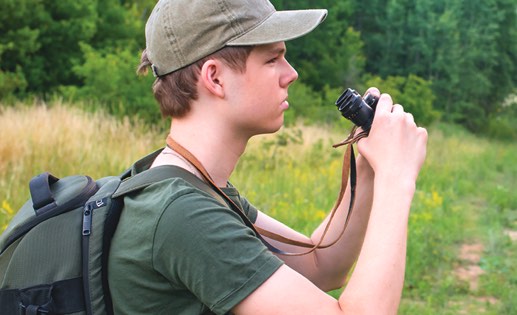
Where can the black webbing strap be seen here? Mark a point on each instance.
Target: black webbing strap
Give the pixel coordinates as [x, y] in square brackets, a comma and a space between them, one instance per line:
[62, 297]
[42, 198]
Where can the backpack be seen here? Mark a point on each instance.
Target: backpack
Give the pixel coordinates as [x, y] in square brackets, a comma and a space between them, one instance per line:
[54, 252]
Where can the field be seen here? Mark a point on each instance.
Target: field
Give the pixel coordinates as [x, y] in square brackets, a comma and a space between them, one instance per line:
[463, 225]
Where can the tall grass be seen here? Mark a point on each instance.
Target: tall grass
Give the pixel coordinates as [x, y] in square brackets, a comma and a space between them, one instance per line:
[465, 191]
[63, 141]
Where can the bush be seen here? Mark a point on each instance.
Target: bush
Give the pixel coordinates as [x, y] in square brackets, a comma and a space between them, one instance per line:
[412, 92]
[312, 107]
[303, 103]
[10, 83]
[110, 79]
[503, 124]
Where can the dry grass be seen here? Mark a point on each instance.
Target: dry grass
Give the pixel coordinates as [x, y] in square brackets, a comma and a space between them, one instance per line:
[64, 141]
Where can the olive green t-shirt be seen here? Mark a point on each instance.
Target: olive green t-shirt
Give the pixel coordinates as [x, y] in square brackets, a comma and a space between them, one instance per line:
[178, 251]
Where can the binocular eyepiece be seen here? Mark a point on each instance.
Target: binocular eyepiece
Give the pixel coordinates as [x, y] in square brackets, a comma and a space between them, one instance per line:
[356, 109]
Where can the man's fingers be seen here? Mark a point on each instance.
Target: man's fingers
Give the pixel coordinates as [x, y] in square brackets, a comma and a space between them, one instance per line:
[397, 108]
[385, 103]
[373, 91]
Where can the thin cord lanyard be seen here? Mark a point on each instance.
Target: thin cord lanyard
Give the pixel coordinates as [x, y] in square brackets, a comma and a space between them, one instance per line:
[349, 168]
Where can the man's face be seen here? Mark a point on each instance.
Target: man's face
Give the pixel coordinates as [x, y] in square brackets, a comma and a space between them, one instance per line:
[258, 97]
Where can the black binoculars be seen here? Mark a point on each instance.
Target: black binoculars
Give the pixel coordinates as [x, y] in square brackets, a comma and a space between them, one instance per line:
[356, 109]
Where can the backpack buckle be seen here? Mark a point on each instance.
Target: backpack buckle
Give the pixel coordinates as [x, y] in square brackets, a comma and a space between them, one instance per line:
[32, 309]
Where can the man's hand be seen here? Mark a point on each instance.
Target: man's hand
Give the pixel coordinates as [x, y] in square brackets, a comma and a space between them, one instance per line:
[396, 146]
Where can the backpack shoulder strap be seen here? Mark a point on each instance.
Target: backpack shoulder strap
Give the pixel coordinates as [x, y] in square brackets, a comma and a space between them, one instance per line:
[163, 172]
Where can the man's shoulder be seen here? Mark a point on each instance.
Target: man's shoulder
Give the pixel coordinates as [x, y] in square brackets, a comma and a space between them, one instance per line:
[149, 204]
[169, 189]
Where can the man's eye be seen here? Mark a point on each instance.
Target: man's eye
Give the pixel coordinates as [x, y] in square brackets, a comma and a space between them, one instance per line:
[273, 60]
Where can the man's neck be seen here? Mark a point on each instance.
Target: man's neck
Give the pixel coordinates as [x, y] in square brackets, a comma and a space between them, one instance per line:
[216, 148]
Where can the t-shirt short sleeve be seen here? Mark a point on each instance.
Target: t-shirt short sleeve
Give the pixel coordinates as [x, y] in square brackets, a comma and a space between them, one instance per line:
[205, 248]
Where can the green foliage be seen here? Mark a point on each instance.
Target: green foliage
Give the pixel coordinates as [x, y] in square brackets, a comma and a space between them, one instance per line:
[412, 92]
[310, 106]
[332, 54]
[62, 25]
[118, 26]
[19, 41]
[303, 102]
[468, 49]
[42, 40]
[11, 82]
[110, 79]
[502, 124]
[69, 23]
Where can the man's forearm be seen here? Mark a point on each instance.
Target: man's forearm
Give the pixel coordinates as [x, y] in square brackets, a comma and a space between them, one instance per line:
[336, 261]
[379, 274]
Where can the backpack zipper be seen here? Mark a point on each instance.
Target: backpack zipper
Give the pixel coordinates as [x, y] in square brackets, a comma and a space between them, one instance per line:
[87, 231]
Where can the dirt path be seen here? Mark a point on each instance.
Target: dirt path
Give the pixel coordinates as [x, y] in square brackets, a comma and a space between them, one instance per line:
[469, 271]
[511, 234]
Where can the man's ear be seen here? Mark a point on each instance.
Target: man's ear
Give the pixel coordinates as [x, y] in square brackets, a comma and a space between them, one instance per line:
[210, 77]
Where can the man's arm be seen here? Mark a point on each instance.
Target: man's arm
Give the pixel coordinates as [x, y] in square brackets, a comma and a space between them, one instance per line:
[395, 149]
[327, 268]
[376, 283]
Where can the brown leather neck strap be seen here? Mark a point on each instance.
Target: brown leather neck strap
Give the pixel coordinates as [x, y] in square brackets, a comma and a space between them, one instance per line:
[348, 164]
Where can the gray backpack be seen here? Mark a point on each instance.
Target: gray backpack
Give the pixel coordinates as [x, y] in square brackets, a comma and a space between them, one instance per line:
[53, 254]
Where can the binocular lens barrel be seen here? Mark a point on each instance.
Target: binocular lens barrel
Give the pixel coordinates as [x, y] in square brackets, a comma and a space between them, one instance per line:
[356, 109]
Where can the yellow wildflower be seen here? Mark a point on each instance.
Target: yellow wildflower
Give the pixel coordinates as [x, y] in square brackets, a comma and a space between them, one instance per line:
[7, 208]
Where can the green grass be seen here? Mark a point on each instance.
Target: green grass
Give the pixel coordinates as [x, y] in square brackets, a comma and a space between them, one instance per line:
[465, 193]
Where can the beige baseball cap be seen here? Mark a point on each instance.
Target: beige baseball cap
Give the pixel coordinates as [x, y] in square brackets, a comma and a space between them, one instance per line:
[181, 32]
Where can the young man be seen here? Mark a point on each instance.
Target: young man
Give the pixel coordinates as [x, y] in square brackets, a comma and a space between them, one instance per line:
[222, 76]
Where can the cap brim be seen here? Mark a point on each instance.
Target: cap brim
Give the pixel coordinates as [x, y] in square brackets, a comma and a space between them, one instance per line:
[281, 26]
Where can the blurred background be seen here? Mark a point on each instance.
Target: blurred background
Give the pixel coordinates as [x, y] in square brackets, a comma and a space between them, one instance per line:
[70, 102]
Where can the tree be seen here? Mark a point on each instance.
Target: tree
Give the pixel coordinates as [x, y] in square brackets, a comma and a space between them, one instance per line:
[478, 53]
[467, 48]
[19, 40]
[40, 43]
[120, 24]
[331, 54]
[63, 26]
[413, 92]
